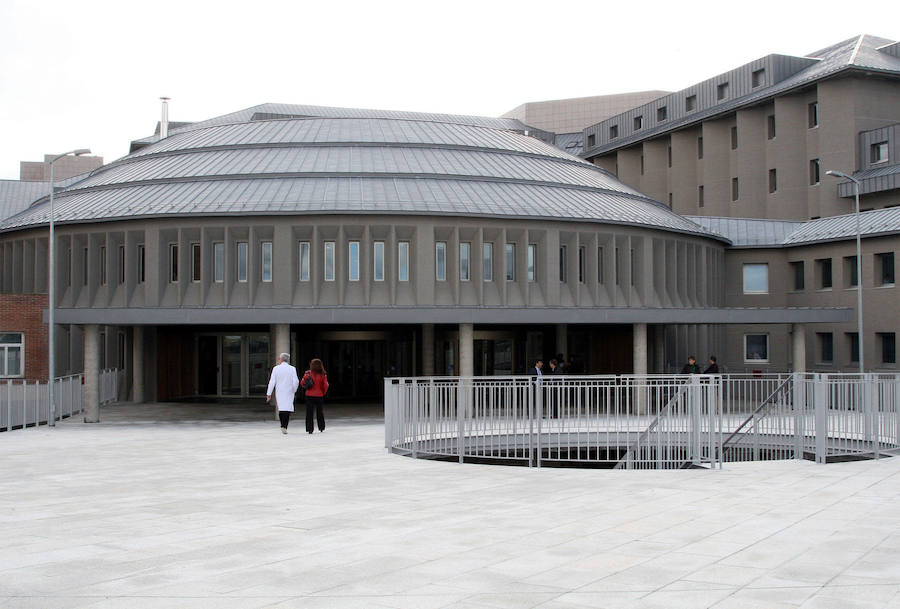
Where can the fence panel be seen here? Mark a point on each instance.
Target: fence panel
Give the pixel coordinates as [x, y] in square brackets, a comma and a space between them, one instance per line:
[25, 404]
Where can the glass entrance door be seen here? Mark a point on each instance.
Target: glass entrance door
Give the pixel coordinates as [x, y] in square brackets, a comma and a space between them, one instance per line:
[231, 365]
[258, 365]
[235, 365]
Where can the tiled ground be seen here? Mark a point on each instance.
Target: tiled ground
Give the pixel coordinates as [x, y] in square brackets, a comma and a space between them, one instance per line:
[210, 506]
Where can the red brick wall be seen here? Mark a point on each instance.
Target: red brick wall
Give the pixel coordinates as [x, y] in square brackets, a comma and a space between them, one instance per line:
[23, 313]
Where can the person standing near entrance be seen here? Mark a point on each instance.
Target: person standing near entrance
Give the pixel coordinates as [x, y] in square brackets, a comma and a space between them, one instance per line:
[315, 382]
[284, 384]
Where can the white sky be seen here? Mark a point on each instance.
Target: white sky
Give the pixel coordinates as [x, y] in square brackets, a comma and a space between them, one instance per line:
[85, 73]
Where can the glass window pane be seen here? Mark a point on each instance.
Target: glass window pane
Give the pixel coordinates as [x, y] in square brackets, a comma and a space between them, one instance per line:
[13, 361]
[329, 261]
[195, 262]
[304, 261]
[173, 263]
[532, 251]
[378, 266]
[353, 261]
[464, 261]
[219, 261]
[510, 261]
[267, 261]
[403, 261]
[440, 261]
[10, 338]
[563, 263]
[487, 261]
[242, 261]
[756, 347]
[756, 278]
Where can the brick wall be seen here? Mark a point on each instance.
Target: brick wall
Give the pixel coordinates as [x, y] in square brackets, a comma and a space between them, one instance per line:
[22, 313]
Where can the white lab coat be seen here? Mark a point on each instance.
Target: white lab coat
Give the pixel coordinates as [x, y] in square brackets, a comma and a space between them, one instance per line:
[284, 383]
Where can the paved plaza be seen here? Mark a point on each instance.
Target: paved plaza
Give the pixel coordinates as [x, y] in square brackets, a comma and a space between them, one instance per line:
[190, 506]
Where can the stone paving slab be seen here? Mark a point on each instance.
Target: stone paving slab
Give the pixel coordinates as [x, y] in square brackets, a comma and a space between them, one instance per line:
[209, 505]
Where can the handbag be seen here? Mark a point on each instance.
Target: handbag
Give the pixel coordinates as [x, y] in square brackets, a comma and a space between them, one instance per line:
[308, 382]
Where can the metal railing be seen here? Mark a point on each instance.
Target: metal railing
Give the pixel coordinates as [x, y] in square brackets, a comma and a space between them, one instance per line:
[111, 380]
[25, 404]
[659, 422]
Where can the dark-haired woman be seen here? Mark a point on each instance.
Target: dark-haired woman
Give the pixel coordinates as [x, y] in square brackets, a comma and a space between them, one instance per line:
[315, 381]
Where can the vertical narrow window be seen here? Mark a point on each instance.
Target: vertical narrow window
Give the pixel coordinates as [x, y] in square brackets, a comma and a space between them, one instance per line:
[487, 261]
[770, 126]
[304, 262]
[773, 180]
[631, 260]
[799, 276]
[734, 138]
[616, 269]
[353, 260]
[669, 152]
[440, 261]
[813, 172]
[853, 339]
[266, 256]
[195, 262]
[403, 261]
[329, 261]
[670, 199]
[464, 261]
[824, 265]
[581, 252]
[173, 263]
[700, 199]
[850, 271]
[700, 147]
[120, 350]
[69, 266]
[885, 270]
[563, 263]
[532, 261]
[812, 112]
[84, 266]
[888, 347]
[638, 123]
[141, 263]
[642, 164]
[378, 261]
[600, 265]
[242, 261]
[735, 189]
[826, 347]
[219, 262]
[510, 261]
[121, 264]
[102, 265]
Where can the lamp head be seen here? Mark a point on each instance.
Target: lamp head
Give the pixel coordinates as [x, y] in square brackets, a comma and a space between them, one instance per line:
[81, 151]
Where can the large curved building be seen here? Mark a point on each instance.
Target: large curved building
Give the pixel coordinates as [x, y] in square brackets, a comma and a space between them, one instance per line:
[383, 242]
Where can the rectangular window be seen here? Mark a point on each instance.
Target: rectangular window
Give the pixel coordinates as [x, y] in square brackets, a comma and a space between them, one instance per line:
[329, 261]
[103, 351]
[798, 272]
[440, 261]
[770, 126]
[735, 189]
[631, 262]
[690, 103]
[173, 263]
[304, 262]
[195, 262]
[378, 261]
[12, 354]
[756, 279]
[563, 263]
[84, 266]
[102, 265]
[266, 251]
[141, 260]
[850, 272]
[487, 261]
[510, 261]
[219, 262]
[638, 122]
[465, 250]
[722, 91]
[700, 147]
[353, 260]
[734, 138]
[756, 348]
[642, 164]
[824, 267]
[532, 261]
[403, 261]
[591, 140]
[758, 77]
[581, 264]
[888, 347]
[661, 113]
[812, 115]
[600, 265]
[773, 181]
[853, 344]
[121, 264]
[813, 172]
[243, 261]
[669, 153]
[613, 132]
[68, 266]
[670, 199]
[826, 347]
[120, 350]
[700, 201]
[879, 152]
[616, 271]
[885, 270]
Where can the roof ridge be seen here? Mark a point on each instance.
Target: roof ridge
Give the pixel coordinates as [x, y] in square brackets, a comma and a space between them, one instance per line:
[856, 48]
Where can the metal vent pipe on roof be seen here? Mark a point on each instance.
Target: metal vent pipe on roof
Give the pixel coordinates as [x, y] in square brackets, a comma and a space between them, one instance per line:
[164, 121]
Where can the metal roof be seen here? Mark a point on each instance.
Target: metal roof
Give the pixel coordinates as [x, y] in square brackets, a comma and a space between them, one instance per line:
[16, 195]
[572, 143]
[878, 179]
[748, 232]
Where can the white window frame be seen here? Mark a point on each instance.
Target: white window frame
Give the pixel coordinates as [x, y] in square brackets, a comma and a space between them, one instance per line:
[465, 261]
[487, 260]
[243, 271]
[329, 260]
[378, 261]
[353, 260]
[173, 263]
[265, 270]
[141, 263]
[531, 263]
[219, 262]
[748, 360]
[4, 357]
[121, 269]
[303, 261]
[403, 261]
[509, 255]
[196, 259]
[103, 265]
[440, 261]
[745, 267]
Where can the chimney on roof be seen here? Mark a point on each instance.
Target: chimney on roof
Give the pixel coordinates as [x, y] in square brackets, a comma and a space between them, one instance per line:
[164, 122]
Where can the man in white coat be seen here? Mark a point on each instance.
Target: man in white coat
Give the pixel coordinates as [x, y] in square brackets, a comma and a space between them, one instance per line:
[284, 382]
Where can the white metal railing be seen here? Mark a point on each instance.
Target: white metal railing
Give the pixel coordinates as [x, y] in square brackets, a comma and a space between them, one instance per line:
[660, 422]
[26, 404]
[111, 379]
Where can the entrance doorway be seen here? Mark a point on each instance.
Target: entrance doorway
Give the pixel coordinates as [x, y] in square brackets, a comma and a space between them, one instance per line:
[233, 365]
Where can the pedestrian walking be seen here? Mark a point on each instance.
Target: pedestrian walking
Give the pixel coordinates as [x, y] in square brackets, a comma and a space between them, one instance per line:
[713, 367]
[536, 371]
[283, 385]
[315, 382]
[691, 366]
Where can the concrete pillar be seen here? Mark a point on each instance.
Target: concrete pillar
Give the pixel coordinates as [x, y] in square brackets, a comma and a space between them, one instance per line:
[466, 350]
[91, 373]
[282, 334]
[137, 363]
[562, 340]
[798, 346]
[639, 348]
[428, 349]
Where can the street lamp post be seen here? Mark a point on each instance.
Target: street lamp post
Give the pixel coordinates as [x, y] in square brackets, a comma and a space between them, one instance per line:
[859, 278]
[51, 281]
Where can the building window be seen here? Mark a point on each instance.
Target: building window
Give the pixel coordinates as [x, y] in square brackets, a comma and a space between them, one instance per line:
[770, 123]
[353, 260]
[879, 152]
[734, 139]
[487, 261]
[850, 271]
[173, 262]
[700, 201]
[758, 77]
[103, 351]
[120, 351]
[266, 262]
[642, 164]
[121, 264]
[735, 189]
[690, 103]
[616, 273]
[141, 260]
[613, 132]
[669, 152]
[813, 172]
[403, 261]
[700, 147]
[563, 263]
[600, 265]
[329, 261]
[885, 270]
[440, 261]
[592, 140]
[826, 347]
[632, 259]
[797, 270]
[812, 115]
[638, 122]
[581, 264]
[102, 265]
[756, 348]
[722, 91]
[378, 261]
[853, 343]
[532, 262]
[243, 261]
[756, 279]
[670, 199]
[773, 181]
[304, 262]
[888, 347]
[84, 266]
[12, 354]
[661, 113]
[464, 261]
[195, 262]
[68, 266]
[824, 267]
[510, 261]
[218, 262]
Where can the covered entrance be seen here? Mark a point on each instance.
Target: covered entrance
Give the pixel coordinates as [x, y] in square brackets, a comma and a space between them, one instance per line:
[233, 364]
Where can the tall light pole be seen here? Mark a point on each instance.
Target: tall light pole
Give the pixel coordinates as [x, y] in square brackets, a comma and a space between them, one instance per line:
[859, 278]
[51, 281]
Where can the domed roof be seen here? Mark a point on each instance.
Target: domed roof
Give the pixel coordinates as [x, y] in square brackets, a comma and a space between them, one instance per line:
[393, 163]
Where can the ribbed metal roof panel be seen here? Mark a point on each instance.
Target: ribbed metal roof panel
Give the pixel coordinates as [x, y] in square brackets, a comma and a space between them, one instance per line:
[749, 232]
[875, 222]
[16, 196]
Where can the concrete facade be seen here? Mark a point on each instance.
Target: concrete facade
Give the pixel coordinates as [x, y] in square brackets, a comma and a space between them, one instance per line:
[574, 114]
[66, 167]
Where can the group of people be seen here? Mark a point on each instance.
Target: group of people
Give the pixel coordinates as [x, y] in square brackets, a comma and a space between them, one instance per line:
[557, 365]
[692, 367]
[283, 385]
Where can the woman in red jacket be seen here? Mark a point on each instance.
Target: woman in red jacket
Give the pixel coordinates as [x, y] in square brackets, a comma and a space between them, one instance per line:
[315, 381]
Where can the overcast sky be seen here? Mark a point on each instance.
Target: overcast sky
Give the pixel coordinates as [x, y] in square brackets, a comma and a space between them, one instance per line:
[89, 73]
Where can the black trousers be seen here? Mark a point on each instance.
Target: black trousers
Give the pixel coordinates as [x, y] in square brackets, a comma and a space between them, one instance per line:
[314, 403]
[285, 417]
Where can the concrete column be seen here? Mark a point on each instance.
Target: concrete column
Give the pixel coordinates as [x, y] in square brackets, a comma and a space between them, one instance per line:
[562, 339]
[282, 334]
[639, 349]
[91, 373]
[137, 363]
[466, 350]
[798, 346]
[428, 349]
